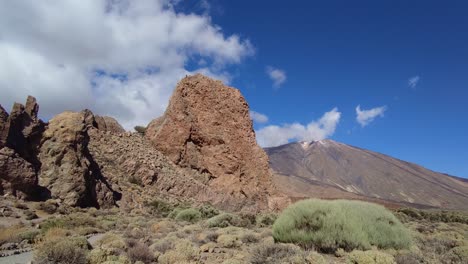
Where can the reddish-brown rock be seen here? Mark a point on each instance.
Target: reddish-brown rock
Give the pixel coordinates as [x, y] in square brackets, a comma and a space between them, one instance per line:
[207, 127]
[107, 123]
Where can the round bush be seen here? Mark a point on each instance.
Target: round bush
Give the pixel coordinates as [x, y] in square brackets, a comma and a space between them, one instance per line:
[329, 225]
[190, 215]
[224, 220]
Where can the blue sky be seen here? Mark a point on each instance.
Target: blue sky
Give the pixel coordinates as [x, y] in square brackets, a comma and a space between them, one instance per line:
[124, 58]
[348, 53]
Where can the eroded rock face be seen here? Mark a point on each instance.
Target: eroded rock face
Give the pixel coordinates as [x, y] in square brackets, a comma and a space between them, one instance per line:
[20, 134]
[17, 176]
[207, 127]
[107, 123]
[68, 170]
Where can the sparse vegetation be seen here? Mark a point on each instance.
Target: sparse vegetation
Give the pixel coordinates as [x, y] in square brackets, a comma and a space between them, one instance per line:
[160, 207]
[370, 257]
[273, 253]
[139, 252]
[434, 215]
[68, 250]
[189, 215]
[224, 220]
[329, 225]
[191, 236]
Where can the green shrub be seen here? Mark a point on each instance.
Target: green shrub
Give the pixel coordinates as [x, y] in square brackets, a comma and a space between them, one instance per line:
[160, 207]
[224, 220]
[208, 211]
[266, 220]
[370, 257]
[229, 241]
[64, 250]
[175, 212]
[72, 222]
[189, 215]
[329, 225]
[183, 252]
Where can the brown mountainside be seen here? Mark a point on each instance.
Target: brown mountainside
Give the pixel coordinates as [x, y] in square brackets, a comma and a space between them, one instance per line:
[328, 169]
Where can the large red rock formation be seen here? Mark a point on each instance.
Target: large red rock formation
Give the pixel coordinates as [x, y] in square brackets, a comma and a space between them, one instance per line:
[207, 127]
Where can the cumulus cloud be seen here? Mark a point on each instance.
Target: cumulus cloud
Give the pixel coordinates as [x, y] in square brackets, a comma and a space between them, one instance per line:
[364, 117]
[413, 81]
[120, 58]
[276, 75]
[271, 136]
[258, 117]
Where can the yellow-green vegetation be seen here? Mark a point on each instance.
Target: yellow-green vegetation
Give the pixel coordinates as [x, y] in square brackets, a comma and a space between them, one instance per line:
[265, 220]
[191, 215]
[184, 252]
[224, 220]
[370, 257]
[329, 225]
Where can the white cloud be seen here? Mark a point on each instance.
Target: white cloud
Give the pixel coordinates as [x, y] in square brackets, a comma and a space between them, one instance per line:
[413, 81]
[364, 117]
[271, 136]
[258, 117]
[120, 58]
[276, 75]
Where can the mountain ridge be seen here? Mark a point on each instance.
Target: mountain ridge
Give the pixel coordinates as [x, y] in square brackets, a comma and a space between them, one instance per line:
[328, 166]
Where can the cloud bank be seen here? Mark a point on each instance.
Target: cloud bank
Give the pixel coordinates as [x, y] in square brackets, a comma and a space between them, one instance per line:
[271, 136]
[119, 58]
[365, 117]
[277, 76]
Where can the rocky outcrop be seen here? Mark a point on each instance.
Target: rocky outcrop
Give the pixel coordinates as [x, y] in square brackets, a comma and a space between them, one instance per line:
[17, 176]
[68, 170]
[107, 123]
[20, 134]
[207, 127]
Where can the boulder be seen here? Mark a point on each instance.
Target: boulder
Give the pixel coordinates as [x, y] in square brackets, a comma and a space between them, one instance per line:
[207, 127]
[107, 123]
